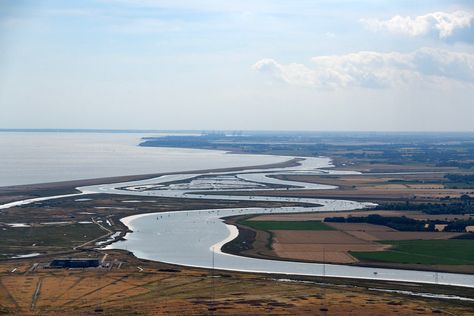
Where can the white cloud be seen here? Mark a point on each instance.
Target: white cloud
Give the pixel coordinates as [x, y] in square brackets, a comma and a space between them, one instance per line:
[374, 69]
[443, 24]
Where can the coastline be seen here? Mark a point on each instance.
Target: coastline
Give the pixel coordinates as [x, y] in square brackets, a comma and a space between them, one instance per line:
[233, 232]
[127, 220]
[15, 193]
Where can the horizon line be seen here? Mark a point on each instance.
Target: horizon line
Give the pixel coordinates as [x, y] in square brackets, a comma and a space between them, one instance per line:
[210, 131]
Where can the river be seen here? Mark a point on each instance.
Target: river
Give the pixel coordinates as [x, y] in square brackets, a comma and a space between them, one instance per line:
[195, 238]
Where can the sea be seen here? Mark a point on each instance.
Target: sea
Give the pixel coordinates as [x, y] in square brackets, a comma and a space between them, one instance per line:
[41, 157]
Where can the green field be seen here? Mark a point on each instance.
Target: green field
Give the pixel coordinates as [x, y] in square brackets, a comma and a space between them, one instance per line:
[448, 252]
[18, 240]
[286, 225]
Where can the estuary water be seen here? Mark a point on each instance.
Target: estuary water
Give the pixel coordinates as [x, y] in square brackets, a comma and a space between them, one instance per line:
[195, 238]
[40, 157]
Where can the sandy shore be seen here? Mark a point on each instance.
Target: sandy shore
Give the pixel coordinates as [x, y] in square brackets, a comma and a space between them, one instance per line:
[233, 233]
[127, 221]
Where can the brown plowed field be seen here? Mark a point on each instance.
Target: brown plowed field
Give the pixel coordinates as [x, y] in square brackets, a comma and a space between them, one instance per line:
[370, 232]
[411, 235]
[308, 252]
[313, 237]
[365, 227]
[334, 246]
[323, 246]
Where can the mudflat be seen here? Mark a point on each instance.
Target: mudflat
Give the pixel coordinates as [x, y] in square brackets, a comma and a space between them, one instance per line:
[21, 192]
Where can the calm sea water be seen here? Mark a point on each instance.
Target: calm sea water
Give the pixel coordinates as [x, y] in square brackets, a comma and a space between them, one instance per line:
[30, 157]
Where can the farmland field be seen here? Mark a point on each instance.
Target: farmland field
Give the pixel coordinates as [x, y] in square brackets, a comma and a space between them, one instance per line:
[449, 252]
[287, 225]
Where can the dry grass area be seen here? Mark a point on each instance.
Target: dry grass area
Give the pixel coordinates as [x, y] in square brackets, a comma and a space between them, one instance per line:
[322, 246]
[126, 291]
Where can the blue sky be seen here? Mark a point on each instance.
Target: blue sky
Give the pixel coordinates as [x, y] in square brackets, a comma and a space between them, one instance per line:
[289, 65]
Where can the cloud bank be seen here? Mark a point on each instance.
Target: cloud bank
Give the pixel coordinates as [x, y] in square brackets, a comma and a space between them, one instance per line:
[374, 69]
[443, 24]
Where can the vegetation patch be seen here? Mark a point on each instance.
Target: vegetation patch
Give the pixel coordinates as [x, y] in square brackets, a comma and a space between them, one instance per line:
[464, 205]
[445, 252]
[403, 223]
[459, 181]
[18, 240]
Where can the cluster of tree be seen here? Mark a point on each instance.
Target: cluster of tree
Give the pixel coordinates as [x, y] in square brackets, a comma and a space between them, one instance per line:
[464, 178]
[464, 206]
[457, 164]
[403, 223]
[459, 226]
[465, 236]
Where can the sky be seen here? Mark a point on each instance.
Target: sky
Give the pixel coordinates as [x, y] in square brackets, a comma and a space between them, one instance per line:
[329, 65]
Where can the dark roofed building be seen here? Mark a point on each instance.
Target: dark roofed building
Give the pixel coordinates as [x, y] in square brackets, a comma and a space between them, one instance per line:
[75, 263]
